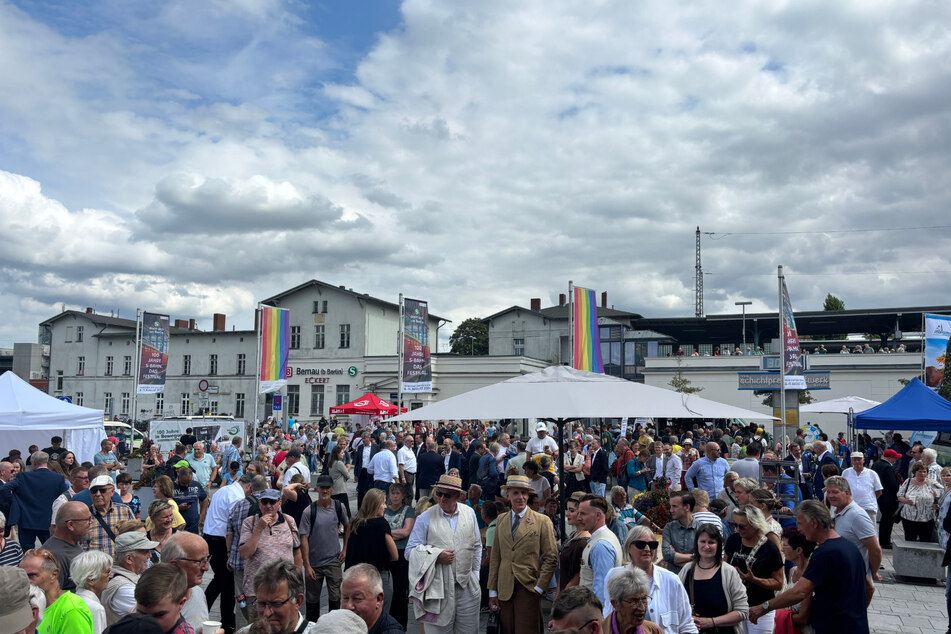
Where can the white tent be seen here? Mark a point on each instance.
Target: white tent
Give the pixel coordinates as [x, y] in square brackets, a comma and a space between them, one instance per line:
[839, 406]
[562, 392]
[31, 417]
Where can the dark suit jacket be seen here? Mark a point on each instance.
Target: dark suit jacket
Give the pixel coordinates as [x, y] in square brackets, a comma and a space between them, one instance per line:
[599, 466]
[428, 469]
[803, 467]
[358, 457]
[455, 460]
[886, 473]
[33, 496]
[817, 480]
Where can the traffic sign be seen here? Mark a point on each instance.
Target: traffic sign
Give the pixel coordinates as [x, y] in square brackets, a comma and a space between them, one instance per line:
[66, 399]
[277, 403]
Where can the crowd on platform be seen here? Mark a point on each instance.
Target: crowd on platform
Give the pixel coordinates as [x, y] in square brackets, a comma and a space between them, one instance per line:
[456, 522]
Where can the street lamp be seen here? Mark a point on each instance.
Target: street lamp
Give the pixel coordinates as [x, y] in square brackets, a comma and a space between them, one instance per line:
[472, 346]
[744, 305]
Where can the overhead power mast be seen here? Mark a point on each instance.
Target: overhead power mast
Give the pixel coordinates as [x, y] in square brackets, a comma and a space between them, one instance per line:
[698, 273]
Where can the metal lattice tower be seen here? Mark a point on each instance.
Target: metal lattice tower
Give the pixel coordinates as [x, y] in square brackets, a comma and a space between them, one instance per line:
[698, 279]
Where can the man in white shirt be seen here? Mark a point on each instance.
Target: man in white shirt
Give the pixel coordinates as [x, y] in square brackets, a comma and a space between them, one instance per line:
[865, 483]
[383, 467]
[216, 527]
[294, 466]
[406, 459]
[541, 441]
[670, 467]
[505, 442]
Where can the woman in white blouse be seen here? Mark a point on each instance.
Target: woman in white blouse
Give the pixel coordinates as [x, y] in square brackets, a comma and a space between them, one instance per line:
[91, 571]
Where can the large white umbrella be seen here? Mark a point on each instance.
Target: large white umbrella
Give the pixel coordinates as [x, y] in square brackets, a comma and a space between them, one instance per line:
[560, 392]
[839, 405]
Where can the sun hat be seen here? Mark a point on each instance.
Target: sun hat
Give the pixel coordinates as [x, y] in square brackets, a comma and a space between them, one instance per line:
[15, 610]
[517, 482]
[452, 483]
[134, 540]
[856, 454]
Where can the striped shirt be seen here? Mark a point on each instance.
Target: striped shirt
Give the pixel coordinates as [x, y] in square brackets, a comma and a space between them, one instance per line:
[11, 554]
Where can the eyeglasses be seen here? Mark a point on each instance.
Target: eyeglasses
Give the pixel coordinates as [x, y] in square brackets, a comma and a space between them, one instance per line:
[272, 605]
[634, 601]
[444, 494]
[201, 562]
[573, 630]
[85, 520]
[640, 544]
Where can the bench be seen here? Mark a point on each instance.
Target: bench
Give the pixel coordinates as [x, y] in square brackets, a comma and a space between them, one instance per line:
[917, 559]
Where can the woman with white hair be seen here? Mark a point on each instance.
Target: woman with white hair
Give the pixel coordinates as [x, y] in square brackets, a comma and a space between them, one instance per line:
[929, 457]
[10, 550]
[91, 572]
[628, 593]
[668, 605]
[757, 560]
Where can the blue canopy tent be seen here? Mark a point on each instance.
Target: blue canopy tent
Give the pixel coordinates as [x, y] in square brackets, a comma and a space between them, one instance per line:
[916, 408]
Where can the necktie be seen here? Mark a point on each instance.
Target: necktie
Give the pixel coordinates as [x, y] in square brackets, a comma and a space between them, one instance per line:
[515, 522]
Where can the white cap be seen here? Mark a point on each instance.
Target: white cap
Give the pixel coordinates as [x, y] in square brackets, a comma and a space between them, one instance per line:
[101, 481]
[541, 427]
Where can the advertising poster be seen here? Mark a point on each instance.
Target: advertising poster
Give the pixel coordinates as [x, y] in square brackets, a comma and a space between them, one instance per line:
[792, 354]
[153, 354]
[937, 332]
[417, 365]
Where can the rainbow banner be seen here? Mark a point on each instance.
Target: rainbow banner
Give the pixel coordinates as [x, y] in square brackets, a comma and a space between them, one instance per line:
[587, 344]
[275, 342]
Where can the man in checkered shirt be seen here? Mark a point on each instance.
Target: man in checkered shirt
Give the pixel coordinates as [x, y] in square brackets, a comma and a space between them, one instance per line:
[238, 514]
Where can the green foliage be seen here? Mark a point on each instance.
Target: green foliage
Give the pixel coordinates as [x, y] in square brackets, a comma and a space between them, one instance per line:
[833, 303]
[804, 397]
[680, 383]
[461, 343]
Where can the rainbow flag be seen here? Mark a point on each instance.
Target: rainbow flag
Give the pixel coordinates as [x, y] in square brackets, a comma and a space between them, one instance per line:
[587, 344]
[275, 342]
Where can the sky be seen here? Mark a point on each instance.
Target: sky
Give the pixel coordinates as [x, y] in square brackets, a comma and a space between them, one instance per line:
[195, 157]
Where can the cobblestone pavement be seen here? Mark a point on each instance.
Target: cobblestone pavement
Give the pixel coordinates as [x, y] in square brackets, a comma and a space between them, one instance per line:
[900, 606]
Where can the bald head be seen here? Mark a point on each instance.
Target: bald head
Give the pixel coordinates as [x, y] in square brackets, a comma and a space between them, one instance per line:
[6, 470]
[712, 450]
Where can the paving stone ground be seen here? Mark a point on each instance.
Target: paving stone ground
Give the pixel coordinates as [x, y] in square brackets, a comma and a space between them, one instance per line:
[900, 605]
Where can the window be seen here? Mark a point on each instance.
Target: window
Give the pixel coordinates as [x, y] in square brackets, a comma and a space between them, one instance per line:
[186, 404]
[213, 364]
[127, 365]
[345, 336]
[319, 336]
[295, 337]
[186, 367]
[213, 406]
[242, 362]
[316, 306]
[69, 334]
[519, 347]
[125, 403]
[79, 334]
[343, 394]
[107, 402]
[292, 402]
[109, 364]
[316, 400]
[59, 380]
[79, 399]
[323, 305]
[239, 405]
[159, 404]
[80, 366]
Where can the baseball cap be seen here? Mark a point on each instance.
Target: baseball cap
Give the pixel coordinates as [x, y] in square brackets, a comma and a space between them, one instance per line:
[269, 494]
[856, 454]
[541, 427]
[688, 441]
[891, 453]
[133, 540]
[324, 481]
[15, 610]
[101, 481]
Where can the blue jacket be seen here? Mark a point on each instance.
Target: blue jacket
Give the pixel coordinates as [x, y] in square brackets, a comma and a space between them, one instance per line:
[33, 496]
[817, 480]
[429, 467]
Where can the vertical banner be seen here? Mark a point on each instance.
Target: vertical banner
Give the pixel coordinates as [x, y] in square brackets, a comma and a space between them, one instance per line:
[792, 354]
[417, 365]
[587, 343]
[275, 343]
[937, 332]
[153, 354]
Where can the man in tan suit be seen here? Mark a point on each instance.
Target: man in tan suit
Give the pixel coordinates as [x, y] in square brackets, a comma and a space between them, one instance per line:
[518, 580]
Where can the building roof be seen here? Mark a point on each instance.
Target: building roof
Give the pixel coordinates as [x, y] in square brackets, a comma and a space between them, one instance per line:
[561, 312]
[103, 320]
[273, 300]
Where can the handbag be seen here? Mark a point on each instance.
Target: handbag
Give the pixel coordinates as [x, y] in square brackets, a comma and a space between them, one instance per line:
[493, 626]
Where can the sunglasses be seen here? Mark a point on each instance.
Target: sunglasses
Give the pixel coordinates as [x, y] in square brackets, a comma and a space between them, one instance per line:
[268, 502]
[640, 544]
[444, 494]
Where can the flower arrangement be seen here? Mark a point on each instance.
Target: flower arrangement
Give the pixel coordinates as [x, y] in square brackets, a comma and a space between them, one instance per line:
[655, 504]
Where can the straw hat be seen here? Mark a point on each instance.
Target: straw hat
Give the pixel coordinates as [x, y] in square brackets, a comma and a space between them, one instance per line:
[450, 483]
[517, 482]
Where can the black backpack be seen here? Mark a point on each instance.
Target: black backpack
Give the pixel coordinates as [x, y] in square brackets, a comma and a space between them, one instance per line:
[338, 507]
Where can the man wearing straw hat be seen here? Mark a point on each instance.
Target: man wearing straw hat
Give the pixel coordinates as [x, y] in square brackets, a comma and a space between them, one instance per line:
[517, 581]
[444, 553]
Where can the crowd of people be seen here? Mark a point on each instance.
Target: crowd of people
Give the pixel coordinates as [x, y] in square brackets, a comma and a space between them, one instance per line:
[455, 522]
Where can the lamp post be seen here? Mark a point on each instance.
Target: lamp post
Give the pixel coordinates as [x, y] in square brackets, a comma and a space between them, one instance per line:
[744, 305]
[471, 346]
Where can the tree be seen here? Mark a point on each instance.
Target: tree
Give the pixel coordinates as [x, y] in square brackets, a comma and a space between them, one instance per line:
[833, 303]
[470, 337]
[804, 397]
[680, 383]
[945, 389]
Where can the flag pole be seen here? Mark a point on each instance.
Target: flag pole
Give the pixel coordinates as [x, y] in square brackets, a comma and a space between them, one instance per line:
[571, 324]
[257, 392]
[782, 355]
[138, 363]
[399, 353]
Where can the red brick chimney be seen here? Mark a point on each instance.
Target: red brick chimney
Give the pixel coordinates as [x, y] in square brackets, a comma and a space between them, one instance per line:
[191, 324]
[218, 321]
[562, 299]
[604, 299]
[181, 323]
[536, 303]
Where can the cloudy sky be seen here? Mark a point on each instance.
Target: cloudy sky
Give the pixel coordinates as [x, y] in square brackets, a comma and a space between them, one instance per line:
[196, 156]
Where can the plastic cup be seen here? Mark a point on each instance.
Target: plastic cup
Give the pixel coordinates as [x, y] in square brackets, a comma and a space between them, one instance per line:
[210, 627]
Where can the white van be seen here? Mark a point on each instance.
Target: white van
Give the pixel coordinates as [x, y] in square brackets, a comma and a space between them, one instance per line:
[134, 435]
